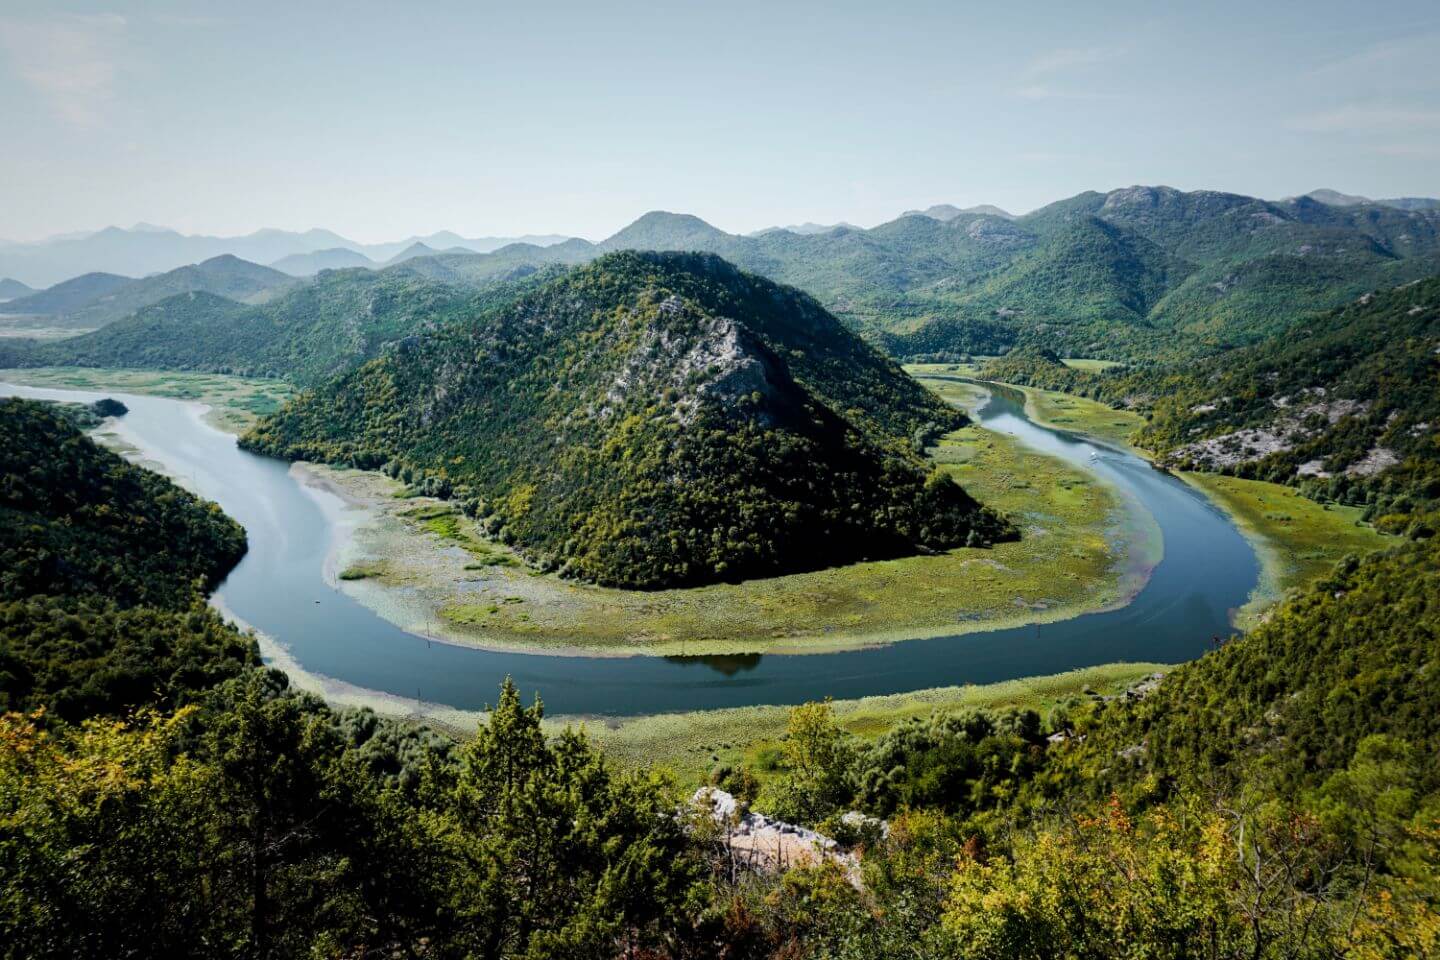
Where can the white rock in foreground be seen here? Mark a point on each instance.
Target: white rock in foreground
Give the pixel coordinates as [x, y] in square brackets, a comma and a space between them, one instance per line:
[766, 845]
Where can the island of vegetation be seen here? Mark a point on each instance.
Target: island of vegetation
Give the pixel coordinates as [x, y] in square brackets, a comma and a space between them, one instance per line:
[653, 420]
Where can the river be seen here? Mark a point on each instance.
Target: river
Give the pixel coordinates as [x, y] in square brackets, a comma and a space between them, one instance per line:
[1207, 570]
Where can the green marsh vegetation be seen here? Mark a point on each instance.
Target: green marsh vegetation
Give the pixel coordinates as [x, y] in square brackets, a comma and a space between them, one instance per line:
[1298, 539]
[235, 402]
[1071, 563]
[1049, 408]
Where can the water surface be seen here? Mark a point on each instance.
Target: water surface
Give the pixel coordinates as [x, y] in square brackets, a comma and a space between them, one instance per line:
[1207, 570]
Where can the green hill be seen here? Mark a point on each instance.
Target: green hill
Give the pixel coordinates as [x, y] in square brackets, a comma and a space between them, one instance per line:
[69, 295]
[75, 519]
[97, 299]
[1291, 703]
[1344, 404]
[1347, 404]
[653, 420]
[1163, 273]
[102, 564]
[312, 331]
[225, 276]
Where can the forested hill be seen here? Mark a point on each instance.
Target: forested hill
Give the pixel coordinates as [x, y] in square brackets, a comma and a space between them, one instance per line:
[312, 331]
[97, 299]
[79, 519]
[650, 420]
[1293, 703]
[1346, 406]
[101, 565]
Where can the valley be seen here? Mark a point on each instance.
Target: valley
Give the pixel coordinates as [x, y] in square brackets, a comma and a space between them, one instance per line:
[359, 652]
[761, 481]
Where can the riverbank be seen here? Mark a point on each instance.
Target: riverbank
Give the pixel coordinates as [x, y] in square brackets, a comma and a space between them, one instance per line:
[234, 402]
[1048, 408]
[690, 745]
[425, 567]
[1297, 540]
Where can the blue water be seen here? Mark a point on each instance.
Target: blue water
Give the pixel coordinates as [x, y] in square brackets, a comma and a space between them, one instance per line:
[1207, 570]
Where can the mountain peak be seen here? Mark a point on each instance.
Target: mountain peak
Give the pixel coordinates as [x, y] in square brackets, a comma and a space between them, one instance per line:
[663, 230]
[948, 211]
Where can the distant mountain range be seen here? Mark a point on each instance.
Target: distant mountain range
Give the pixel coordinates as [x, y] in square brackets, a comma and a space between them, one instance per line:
[806, 229]
[945, 211]
[146, 249]
[1136, 273]
[1337, 199]
[309, 264]
[96, 299]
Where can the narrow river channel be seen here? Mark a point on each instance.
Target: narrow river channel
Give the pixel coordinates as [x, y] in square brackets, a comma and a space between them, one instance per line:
[1207, 570]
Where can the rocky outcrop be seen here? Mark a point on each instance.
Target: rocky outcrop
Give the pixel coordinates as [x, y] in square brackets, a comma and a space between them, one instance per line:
[763, 844]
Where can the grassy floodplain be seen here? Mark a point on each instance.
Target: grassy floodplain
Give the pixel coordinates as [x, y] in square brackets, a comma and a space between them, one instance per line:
[440, 577]
[1048, 408]
[693, 744]
[235, 402]
[1297, 539]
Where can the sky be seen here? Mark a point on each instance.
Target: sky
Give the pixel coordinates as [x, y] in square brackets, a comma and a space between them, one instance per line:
[386, 120]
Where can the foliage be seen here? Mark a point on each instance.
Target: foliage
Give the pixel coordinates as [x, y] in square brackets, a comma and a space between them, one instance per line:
[78, 519]
[1350, 408]
[311, 331]
[1294, 698]
[249, 827]
[80, 658]
[653, 420]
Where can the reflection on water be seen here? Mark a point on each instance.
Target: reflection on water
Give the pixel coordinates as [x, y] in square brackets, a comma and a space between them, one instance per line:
[728, 664]
[1208, 569]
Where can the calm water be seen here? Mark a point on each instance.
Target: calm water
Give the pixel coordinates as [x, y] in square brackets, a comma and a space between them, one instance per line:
[1208, 569]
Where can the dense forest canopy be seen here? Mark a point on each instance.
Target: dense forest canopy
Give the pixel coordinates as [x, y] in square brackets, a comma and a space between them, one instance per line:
[102, 570]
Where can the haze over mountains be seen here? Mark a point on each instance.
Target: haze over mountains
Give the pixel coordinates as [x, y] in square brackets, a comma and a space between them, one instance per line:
[1338, 199]
[145, 249]
[1135, 273]
[13, 289]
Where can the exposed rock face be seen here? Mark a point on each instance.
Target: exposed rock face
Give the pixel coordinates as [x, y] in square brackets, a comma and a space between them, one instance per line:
[1374, 461]
[1289, 429]
[765, 845]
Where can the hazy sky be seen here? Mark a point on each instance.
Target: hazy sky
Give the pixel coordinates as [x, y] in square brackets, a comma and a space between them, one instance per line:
[388, 119]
